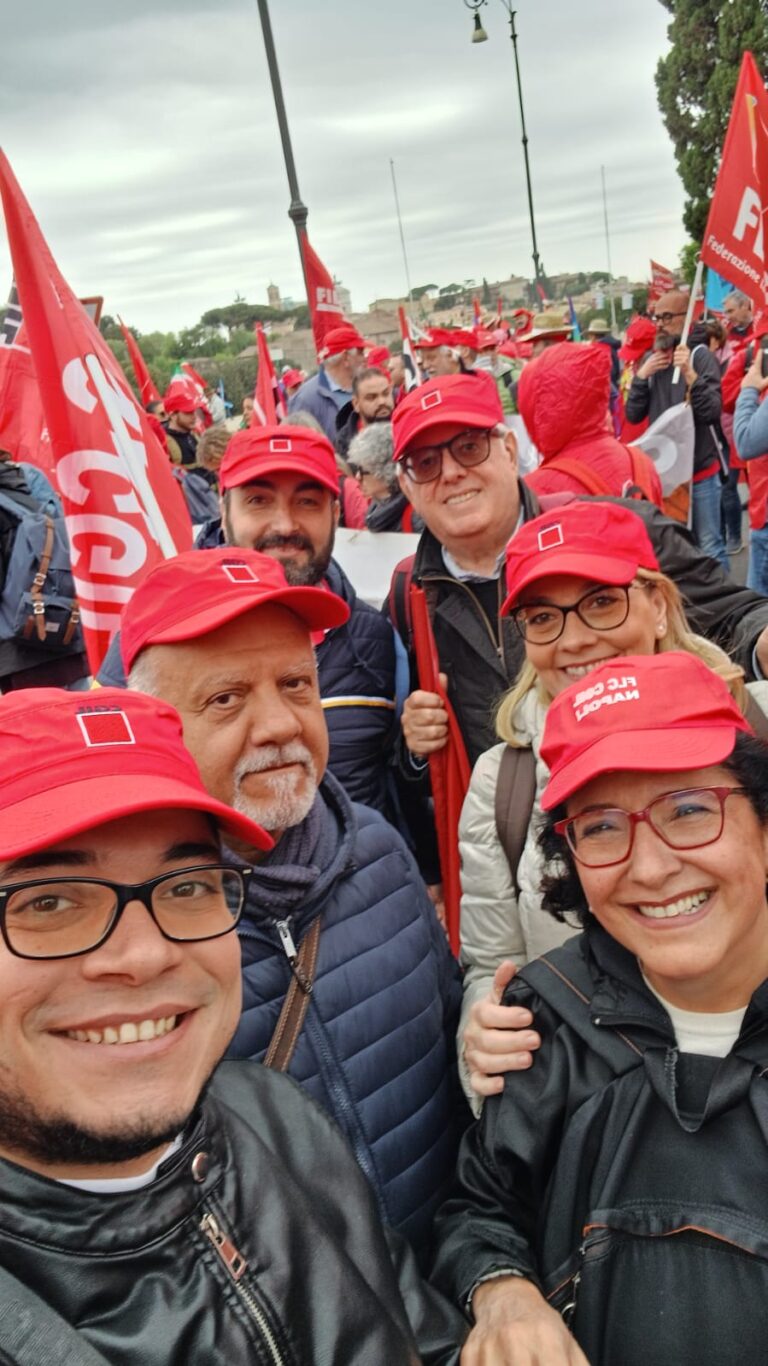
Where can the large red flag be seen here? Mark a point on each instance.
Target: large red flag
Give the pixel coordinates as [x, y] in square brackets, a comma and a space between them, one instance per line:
[734, 239]
[268, 405]
[123, 507]
[146, 384]
[324, 307]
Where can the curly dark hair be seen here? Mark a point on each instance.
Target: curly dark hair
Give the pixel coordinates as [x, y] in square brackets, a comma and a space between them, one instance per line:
[562, 894]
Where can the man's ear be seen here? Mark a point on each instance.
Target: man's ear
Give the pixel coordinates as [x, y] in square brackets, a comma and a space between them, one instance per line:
[510, 442]
[405, 486]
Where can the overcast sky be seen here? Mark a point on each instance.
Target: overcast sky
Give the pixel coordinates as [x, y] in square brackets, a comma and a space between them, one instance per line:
[145, 138]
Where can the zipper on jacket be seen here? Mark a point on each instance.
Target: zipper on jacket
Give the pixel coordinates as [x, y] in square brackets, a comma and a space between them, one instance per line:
[283, 928]
[236, 1266]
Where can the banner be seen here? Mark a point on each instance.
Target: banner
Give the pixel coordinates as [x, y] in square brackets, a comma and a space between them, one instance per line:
[324, 307]
[716, 291]
[268, 405]
[124, 509]
[734, 238]
[669, 442]
[144, 381]
[662, 281]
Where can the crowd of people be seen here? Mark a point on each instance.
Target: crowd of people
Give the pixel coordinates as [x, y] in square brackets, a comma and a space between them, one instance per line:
[534, 1151]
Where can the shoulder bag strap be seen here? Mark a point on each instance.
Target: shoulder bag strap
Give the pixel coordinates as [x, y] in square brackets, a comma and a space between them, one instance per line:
[34, 1334]
[36, 621]
[513, 803]
[296, 1003]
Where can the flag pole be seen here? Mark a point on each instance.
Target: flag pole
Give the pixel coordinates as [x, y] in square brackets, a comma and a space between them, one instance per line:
[695, 291]
[400, 226]
[608, 253]
[297, 210]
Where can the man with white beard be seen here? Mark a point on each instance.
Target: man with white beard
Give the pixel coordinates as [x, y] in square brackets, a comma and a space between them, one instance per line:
[338, 905]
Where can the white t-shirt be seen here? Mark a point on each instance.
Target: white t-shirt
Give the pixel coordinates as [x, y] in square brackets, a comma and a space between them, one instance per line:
[114, 1185]
[711, 1034]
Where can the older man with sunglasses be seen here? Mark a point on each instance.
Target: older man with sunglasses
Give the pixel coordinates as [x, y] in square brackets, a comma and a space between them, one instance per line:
[654, 389]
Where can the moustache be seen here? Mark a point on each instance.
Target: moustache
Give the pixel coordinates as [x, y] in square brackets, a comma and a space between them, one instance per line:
[274, 756]
[293, 542]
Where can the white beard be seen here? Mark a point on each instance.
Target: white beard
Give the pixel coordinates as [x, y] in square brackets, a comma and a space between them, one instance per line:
[290, 795]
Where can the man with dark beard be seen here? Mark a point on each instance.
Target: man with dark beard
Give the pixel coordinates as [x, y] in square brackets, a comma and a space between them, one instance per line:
[280, 495]
[221, 636]
[158, 1208]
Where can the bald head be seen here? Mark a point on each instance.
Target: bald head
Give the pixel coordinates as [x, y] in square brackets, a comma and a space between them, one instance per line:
[670, 311]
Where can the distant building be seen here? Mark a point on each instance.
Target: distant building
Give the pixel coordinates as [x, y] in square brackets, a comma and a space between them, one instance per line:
[343, 297]
[273, 297]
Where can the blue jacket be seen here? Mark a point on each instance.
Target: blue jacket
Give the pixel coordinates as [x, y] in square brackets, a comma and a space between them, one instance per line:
[377, 1049]
[750, 425]
[318, 398]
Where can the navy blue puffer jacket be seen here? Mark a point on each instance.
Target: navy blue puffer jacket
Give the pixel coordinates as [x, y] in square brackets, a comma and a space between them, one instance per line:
[377, 1049]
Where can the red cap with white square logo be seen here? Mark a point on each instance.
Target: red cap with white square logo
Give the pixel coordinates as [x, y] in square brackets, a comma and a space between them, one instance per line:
[257, 452]
[71, 761]
[191, 594]
[664, 713]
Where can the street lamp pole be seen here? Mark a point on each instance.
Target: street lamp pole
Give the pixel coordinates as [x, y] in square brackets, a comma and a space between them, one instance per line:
[479, 36]
[297, 210]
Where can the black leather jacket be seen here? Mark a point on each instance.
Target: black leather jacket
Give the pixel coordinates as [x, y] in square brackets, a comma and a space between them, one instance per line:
[258, 1242]
[626, 1179]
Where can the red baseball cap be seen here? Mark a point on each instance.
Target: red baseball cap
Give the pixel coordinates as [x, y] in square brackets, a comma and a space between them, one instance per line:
[191, 594]
[435, 336]
[378, 356]
[292, 377]
[662, 713]
[74, 760]
[638, 338]
[345, 337]
[259, 451]
[470, 399]
[600, 541]
[178, 400]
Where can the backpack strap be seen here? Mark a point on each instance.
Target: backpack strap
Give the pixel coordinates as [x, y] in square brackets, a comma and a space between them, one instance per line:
[570, 994]
[407, 523]
[588, 478]
[640, 473]
[32, 1333]
[513, 803]
[399, 599]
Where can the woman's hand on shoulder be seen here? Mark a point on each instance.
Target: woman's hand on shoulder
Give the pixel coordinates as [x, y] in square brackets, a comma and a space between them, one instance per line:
[498, 1039]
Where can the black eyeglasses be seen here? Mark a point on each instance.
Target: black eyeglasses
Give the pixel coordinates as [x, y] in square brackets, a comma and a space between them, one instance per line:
[665, 317]
[467, 449]
[64, 917]
[689, 819]
[602, 609]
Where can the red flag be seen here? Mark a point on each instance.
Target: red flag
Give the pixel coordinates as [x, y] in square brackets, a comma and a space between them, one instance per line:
[449, 768]
[144, 381]
[410, 362]
[324, 307]
[200, 391]
[123, 507]
[662, 280]
[477, 316]
[268, 405]
[22, 424]
[734, 239]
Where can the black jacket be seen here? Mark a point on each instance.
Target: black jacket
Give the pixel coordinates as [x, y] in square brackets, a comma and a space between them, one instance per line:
[651, 397]
[479, 671]
[627, 1180]
[265, 1250]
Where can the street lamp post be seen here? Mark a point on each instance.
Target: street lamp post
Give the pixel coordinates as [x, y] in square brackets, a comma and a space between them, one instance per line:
[297, 210]
[479, 35]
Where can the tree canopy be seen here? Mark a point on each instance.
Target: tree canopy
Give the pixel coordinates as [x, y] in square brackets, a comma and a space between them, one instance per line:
[695, 83]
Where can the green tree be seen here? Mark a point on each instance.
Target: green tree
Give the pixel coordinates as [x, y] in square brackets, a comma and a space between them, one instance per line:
[695, 84]
[688, 259]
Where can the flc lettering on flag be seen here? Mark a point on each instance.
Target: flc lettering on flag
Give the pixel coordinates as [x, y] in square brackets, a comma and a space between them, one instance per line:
[734, 238]
[124, 510]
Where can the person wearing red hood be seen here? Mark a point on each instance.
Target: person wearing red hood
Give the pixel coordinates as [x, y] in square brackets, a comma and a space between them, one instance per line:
[563, 399]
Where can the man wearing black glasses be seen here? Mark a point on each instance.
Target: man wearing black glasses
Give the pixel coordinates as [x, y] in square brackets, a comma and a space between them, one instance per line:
[653, 391]
[458, 468]
[156, 1208]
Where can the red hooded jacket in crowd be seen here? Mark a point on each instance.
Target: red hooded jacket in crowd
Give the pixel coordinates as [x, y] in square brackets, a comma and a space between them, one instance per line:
[563, 399]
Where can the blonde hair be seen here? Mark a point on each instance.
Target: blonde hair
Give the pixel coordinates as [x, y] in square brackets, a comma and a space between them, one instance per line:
[678, 636]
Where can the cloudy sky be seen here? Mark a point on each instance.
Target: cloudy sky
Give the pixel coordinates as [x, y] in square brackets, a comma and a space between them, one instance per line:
[145, 138]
